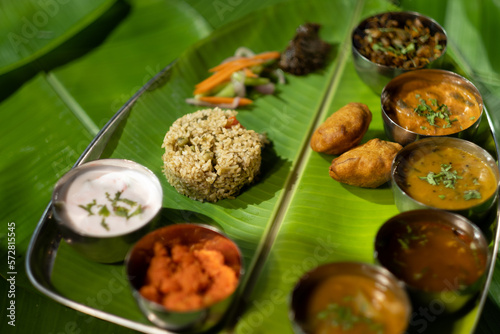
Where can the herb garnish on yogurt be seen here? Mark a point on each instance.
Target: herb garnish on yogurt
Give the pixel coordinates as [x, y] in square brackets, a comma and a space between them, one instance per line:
[120, 207]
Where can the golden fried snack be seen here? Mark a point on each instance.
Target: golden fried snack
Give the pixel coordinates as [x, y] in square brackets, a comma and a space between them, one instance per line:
[367, 166]
[343, 130]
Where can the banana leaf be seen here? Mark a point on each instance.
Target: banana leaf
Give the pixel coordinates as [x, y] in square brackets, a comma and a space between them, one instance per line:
[270, 221]
[29, 30]
[282, 157]
[48, 122]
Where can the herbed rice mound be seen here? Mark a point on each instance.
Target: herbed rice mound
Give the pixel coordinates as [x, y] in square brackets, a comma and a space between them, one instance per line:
[210, 156]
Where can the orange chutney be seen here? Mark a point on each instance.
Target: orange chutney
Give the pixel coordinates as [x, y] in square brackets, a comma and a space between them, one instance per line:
[447, 178]
[355, 305]
[432, 256]
[434, 108]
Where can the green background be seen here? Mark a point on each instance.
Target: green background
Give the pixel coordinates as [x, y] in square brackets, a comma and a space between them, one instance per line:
[67, 66]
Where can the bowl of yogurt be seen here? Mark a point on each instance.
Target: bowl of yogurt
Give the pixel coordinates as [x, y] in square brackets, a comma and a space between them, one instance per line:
[104, 206]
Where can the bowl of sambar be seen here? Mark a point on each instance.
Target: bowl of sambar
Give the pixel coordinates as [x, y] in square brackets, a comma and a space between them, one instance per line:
[441, 256]
[446, 173]
[351, 297]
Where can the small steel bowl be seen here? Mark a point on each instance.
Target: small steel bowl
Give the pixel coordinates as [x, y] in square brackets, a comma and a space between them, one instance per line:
[482, 213]
[404, 84]
[375, 75]
[303, 307]
[138, 261]
[400, 234]
[92, 232]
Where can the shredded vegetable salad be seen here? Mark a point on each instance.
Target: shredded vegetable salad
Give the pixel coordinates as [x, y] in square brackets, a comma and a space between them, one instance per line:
[237, 80]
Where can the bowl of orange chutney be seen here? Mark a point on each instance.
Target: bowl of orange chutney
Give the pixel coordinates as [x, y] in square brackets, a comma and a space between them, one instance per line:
[184, 276]
[349, 297]
[441, 256]
[430, 102]
[446, 173]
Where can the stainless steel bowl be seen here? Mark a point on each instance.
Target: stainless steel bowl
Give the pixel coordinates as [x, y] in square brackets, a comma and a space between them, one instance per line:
[450, 299]
[383, 280]
[109, 246]
[376, 76]
[138, 261]
[482, 214]
[395, 132]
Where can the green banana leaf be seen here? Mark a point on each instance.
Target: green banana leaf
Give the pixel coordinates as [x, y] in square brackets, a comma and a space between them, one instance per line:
[83, 102]
[48, 111]
[29, 33]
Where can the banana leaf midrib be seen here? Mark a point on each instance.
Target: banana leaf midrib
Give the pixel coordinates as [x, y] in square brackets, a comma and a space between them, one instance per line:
[298, 168]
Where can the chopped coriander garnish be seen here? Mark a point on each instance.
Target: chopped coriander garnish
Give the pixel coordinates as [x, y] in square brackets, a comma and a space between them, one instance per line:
[89, 207]
[408, 228]
[103, 224]
[342, 316]
[433, 111]
[404, 244]
[120, 211]
[447, 177]
[121, 207]
[472, 194]
[104, 211]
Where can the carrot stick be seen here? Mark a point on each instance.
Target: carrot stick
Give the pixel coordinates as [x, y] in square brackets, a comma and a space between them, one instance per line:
[223, 71]
[265, 56]
[249, 74]
[223, 75]
[225, 100]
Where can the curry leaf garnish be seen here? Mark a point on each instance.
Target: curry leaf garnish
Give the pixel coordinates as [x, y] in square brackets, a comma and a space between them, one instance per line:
[446, 176]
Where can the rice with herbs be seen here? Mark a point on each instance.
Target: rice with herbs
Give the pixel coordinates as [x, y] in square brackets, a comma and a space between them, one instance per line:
[209, 156]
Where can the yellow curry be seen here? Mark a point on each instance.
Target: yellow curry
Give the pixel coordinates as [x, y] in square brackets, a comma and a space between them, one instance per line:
[355, 305]
[447, 178]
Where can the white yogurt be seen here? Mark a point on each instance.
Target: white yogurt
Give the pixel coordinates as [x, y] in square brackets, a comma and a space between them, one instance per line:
[107, 201]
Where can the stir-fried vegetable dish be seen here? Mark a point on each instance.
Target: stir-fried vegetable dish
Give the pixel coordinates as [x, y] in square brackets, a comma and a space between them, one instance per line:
[237, 79]
[388, 42]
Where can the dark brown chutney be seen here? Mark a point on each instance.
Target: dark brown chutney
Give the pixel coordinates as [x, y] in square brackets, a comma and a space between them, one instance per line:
[306, 52]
